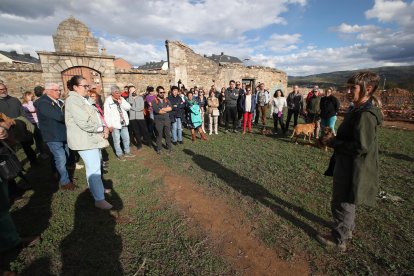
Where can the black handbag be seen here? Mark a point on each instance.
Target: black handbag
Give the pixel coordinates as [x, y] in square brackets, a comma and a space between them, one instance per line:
[10, 166]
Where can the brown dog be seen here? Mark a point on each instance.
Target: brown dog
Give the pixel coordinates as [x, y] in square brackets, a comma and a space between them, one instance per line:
[305, 129]
[325, 140]
[4, 118]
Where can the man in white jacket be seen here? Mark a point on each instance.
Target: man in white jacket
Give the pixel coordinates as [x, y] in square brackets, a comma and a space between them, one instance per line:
[116, 117]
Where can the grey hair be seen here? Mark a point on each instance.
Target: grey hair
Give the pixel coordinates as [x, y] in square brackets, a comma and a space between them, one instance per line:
[114, 88]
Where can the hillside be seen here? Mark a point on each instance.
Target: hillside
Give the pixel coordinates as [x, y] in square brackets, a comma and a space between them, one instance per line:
[395, 76]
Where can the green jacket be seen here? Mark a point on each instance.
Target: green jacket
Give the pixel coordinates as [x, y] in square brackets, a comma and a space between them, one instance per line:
[356, 149]
[83, 124]
[313, 105]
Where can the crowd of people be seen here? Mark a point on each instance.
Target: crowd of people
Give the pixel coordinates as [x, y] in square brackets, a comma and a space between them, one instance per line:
[80, 124]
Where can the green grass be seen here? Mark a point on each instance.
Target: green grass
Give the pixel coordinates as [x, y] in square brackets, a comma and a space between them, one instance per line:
[143, 233]
[277, 184]
[281, 188]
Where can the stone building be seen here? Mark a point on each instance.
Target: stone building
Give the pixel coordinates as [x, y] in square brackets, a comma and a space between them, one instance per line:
[77, 53]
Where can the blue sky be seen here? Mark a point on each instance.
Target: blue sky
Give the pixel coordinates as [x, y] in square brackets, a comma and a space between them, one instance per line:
[301, 37]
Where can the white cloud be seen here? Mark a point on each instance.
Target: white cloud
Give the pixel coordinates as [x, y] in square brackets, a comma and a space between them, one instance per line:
[313, 61]
[134, 52]
[393, 11]
[169, 19]
[25, 43]
[283, 43]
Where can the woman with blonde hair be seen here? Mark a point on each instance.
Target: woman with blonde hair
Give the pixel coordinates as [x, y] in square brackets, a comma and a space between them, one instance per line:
[213, 111]
[30, 114]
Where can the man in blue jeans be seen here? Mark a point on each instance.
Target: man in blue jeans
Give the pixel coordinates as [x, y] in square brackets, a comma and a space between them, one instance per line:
[116, 116]
[52, 126]
[176, 115]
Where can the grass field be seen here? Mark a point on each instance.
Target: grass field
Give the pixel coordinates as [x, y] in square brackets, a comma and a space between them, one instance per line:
[281, 186]
[277, 184]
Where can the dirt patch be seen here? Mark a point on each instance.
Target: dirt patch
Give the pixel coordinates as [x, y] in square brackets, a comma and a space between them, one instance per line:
[399, 125]
[226, 226]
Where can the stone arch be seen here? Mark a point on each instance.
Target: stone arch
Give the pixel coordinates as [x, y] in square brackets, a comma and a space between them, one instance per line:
[92, 76]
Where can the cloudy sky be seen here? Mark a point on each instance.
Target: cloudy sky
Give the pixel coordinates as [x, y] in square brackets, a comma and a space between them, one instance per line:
[301, 37]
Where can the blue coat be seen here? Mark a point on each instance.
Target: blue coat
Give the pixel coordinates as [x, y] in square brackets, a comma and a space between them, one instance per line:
[243, 101]
[51, 120]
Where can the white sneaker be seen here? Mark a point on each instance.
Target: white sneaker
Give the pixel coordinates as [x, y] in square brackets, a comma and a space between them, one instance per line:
[79, 166]
[103, 204]
[210, 133]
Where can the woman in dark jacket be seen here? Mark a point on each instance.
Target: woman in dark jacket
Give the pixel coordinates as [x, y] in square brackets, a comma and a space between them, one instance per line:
[355, 176]
[247, 105]
[329, 107]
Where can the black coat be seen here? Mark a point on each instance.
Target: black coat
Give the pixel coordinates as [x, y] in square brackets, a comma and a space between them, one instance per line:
[329, 106]
[178, 106]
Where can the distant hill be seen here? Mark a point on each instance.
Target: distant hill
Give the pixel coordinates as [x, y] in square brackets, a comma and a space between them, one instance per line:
[395, 76]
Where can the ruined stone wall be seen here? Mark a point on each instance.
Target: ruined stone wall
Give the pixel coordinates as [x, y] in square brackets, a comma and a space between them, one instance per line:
[196, 70]
[20, 78]
[192, 69]
[141, 79]
[73, 36]
[272, 78]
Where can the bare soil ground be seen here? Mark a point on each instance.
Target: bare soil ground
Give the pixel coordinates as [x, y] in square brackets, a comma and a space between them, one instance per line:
[226, 227]
[399, 125]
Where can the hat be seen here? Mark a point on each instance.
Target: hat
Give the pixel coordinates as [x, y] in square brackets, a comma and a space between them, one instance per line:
[130, 85]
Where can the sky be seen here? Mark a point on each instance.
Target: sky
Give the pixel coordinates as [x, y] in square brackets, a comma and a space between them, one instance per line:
[300, 37]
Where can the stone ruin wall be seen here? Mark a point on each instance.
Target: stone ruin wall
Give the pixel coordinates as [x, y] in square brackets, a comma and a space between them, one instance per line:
[142, 78]
[195, 70]
[20, 78]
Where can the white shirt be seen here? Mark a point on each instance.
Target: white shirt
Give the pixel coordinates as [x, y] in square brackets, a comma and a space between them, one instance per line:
[248, 103]
[278, 104]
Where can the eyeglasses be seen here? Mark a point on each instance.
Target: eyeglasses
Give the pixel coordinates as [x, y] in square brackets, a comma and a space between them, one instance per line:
[86, 86]
[161, 92]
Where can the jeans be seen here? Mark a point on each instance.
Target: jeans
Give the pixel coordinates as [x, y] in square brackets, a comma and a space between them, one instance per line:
[60, 153]
[177, 130]
[92, 160]
[117, 134]
[330, 122]
[247, 120]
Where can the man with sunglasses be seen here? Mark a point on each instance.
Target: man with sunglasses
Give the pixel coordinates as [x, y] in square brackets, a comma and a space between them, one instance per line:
[162, 107]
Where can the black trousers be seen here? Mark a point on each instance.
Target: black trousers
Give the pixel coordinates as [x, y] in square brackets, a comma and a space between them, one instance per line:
[295, 114]
[279, 120]
[163, 127]
[231, 115]
[139, 129]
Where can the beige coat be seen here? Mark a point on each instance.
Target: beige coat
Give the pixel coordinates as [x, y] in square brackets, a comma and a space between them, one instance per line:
[83, 124]
[212, 103]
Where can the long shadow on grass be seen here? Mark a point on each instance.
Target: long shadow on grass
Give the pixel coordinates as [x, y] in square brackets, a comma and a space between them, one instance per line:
[246, 187]
[93, 247]
[395, 155]
[33, 218]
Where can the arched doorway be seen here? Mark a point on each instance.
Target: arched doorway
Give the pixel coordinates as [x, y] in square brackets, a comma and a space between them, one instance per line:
[92, 76]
